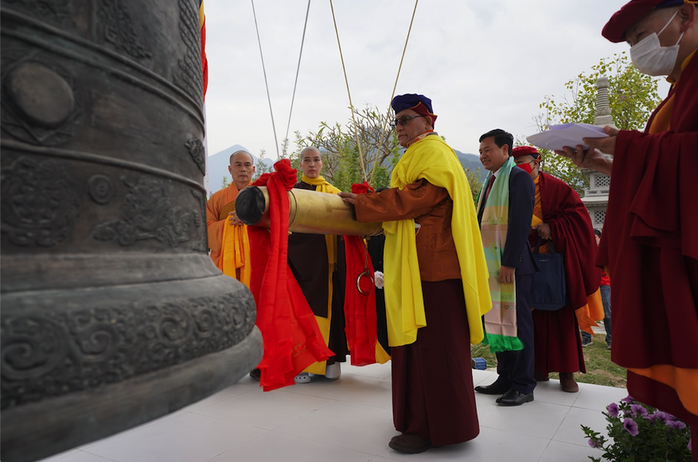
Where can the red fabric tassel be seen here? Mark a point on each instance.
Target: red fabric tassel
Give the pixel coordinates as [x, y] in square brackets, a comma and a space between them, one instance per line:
[360, 308]
[292, 339]
[361, 188]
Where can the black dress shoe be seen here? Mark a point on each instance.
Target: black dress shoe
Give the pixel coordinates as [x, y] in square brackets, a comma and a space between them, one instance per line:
[496, 388]
[514, 398]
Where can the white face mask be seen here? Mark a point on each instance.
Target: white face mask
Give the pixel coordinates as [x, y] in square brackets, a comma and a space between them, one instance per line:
[649, 57]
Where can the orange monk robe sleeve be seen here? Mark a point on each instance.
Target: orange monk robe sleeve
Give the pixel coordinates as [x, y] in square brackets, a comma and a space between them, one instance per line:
[412, 201]
[215, 226]
[431, 208]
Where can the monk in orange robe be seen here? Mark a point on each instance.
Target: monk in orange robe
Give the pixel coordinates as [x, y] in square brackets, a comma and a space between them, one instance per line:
[227, 235]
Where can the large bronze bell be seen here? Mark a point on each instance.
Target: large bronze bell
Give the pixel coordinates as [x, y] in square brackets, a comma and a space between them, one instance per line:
[112, 312]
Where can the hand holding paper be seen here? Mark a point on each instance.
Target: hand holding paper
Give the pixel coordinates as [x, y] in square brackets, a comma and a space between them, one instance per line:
[563, 135]
[606, 145]
[593, 157]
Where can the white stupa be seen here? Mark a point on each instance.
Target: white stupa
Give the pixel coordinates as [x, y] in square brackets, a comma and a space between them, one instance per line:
[596, 197]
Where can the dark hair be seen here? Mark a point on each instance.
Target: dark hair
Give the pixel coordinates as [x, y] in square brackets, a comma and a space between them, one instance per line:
[597, 232]
[500, 138]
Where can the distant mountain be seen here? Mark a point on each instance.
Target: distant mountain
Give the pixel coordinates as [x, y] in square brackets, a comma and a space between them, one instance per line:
[218, 166]
[472, 162]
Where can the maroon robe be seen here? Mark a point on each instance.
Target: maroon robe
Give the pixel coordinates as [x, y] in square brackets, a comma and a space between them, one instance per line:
[432, 378]
[558, 346]
[650, 244]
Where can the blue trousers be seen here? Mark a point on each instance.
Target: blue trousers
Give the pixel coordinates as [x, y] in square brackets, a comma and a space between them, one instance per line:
[606, 300]
[515, 368]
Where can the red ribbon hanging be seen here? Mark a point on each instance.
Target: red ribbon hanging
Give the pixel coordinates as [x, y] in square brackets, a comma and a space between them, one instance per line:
[360, 305]
[292, 339]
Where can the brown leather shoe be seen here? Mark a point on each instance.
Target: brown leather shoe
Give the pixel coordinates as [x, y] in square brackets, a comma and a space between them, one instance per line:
[409, 444]
[567, 382]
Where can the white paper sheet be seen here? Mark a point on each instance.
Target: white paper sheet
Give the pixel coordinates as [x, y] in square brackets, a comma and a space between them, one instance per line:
[566, 135]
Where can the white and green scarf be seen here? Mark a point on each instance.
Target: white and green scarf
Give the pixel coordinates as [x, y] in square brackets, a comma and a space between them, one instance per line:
[500, 321]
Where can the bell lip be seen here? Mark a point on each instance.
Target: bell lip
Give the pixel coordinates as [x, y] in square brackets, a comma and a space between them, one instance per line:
[70, 415]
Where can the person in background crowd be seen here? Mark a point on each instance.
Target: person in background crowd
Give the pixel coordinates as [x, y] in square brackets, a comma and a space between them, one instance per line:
[560, 217]
[505, 208]
[317, 263]
[227, 235]
[605, 298]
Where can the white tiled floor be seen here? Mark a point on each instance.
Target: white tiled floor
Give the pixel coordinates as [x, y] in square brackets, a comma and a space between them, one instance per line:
[350, 420]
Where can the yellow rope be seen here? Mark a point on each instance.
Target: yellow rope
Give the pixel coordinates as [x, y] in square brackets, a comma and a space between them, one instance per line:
[392, 95]
[351, 105]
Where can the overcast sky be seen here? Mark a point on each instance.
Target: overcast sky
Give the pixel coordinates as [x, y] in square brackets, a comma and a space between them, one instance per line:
[484, 64]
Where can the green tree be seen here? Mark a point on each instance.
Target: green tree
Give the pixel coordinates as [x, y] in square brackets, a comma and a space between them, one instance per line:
[344, 162]
[474, 182]
[284, 149]
[225, 182]
[632, 96]
[261, 167]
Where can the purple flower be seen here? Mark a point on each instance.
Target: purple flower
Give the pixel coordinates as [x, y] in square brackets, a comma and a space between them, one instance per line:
[662, 416]
[631, 426]
[651, 417]
[638, 410]
[690, 447]
[594, 443]
[628, 400]
[613, 410]
[675, 425]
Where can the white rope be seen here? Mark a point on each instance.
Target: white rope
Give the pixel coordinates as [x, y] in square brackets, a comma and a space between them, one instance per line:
[392, 95]
[265, 80]
[298, 69]
[351, 105]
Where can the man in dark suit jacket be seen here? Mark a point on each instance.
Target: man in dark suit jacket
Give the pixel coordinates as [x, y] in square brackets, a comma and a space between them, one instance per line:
[515, 368]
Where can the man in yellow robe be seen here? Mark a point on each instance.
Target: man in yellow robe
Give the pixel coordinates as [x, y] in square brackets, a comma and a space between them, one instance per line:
[227, 235]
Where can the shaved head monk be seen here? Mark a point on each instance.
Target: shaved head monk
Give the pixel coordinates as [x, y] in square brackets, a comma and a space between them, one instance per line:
[318, 264]
[227, 235]
[651, 251]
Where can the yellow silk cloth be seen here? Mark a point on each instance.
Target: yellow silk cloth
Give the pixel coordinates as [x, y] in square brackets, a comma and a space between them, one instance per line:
[593, 310]
[684, 381]
[235, 250]
[382, 356]
[331, 243]
[432, 159]
[229, 245]
[538, 215]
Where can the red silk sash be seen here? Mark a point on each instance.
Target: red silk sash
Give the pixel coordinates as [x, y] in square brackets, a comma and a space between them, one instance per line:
[292, 339]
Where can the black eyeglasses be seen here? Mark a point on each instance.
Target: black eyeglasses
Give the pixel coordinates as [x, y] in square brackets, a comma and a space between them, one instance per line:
[403, 120]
